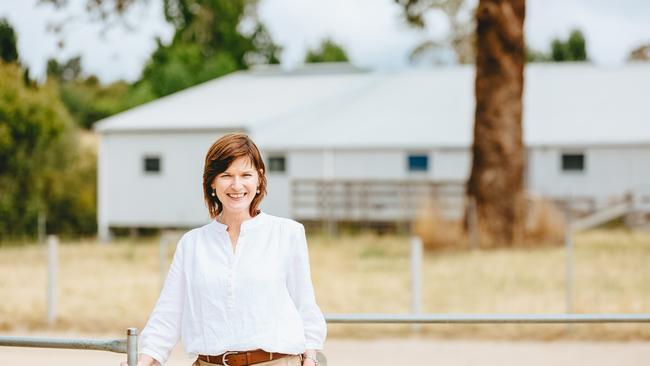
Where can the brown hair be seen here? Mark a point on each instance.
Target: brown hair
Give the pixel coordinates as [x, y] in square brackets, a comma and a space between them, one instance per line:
[219, 158]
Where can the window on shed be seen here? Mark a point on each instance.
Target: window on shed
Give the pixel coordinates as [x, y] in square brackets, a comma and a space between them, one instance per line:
[277, 164]
[418, 162]
[152, 164]
[573, 162]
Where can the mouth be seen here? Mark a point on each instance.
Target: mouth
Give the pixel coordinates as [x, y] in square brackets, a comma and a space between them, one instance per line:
[236, 196]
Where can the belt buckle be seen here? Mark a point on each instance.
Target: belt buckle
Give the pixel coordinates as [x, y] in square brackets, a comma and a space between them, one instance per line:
[223, 357]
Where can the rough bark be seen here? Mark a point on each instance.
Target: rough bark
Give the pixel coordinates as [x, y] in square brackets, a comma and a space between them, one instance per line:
[496, 179]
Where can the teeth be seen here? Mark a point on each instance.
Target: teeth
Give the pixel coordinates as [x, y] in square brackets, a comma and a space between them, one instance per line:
[236, 195]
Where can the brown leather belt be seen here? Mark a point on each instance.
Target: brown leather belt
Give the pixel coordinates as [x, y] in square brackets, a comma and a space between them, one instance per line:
[242, 358]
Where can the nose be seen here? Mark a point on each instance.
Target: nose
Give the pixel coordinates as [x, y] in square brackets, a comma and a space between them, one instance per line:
[236, 182]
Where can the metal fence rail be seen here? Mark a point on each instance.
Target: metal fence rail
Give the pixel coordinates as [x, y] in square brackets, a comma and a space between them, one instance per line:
[487, 318]
[128, 345]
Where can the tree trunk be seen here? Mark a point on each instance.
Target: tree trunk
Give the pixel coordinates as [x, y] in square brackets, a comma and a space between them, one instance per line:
[496, 180]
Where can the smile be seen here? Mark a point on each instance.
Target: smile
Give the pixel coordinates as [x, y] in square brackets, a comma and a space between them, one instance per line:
[236, 195]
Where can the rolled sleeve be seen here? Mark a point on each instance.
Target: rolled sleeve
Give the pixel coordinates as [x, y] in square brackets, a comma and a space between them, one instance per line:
[301, 291]
[163, 329]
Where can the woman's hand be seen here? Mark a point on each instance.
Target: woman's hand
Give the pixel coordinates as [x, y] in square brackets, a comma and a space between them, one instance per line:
[308, 358]
[144, 360]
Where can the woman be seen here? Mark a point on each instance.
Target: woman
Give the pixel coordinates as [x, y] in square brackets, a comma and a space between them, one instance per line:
[239, 289]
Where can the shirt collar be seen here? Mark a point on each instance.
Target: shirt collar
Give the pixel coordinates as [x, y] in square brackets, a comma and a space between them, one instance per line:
[245, 225]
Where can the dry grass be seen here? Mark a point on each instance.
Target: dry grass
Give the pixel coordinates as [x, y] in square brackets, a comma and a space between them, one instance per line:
[544, 226]
[108, 288]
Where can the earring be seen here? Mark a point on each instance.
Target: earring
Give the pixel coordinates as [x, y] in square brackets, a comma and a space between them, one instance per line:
[258, 191]
[214, 192]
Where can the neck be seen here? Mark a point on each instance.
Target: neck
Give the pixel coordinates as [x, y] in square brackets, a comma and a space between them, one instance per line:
[234, 219]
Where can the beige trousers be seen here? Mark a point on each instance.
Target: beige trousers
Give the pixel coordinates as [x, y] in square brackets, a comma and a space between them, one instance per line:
[284, 361]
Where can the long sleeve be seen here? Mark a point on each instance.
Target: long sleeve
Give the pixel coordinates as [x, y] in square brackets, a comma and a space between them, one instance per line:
[163, 328]
[302, 292]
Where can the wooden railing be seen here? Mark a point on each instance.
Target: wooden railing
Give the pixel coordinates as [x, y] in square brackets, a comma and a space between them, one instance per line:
[374, 201]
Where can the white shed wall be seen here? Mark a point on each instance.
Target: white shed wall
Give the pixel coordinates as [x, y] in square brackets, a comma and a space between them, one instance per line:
[451, 164]
[369, 164]
[609, 172]
[278, 199]
[130, 197]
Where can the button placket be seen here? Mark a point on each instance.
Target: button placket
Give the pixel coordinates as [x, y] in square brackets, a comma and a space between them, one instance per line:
[232, 278]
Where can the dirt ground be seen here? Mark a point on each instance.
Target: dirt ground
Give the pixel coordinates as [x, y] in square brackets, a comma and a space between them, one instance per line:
[394, 352]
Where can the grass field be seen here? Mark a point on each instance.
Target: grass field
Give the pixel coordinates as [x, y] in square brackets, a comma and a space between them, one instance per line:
[107, 288]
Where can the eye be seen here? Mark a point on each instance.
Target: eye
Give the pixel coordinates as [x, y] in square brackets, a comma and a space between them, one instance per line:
[248, 175]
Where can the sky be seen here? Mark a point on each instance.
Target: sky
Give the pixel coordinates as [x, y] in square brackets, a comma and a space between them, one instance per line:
[372, 31]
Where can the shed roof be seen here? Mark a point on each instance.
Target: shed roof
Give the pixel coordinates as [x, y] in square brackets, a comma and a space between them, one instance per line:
[238, 100]
[564, 104]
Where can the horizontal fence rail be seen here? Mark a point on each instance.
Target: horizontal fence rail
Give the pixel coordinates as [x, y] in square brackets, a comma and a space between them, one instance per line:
[128, 345]
[487, 318]
[115, 345]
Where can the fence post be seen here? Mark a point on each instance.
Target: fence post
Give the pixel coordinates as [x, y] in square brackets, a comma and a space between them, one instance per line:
[416, 277]
[42, 222]
[132, 346]
[52, 244]
[568, 244]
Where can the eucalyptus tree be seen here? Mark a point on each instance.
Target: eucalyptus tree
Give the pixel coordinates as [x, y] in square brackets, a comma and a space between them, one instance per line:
[496, 184]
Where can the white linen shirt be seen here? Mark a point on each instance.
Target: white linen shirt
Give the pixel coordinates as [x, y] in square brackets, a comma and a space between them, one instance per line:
[258, 296]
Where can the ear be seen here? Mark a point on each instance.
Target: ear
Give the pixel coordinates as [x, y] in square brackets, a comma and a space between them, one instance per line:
[261, 171]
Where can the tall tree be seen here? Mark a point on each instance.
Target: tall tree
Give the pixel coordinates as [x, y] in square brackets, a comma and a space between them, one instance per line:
[209, 42]
[460, 36]
[8, 50]
[212, 38]
[496, 179]
[328, 51]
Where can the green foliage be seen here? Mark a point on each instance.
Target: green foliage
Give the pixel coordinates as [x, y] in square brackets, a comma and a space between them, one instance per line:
[88, 101]
[533, 55]
[72, 209]
[38, 161]
[328, 51]
[208, 43]
[8, 50]
[86, 98]
[573, 49]
[66, 71]
[181, 65]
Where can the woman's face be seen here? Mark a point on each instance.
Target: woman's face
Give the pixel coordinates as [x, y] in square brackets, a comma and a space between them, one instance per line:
[237, 186]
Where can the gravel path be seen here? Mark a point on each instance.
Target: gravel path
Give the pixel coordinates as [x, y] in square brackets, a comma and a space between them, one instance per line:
[395, 352]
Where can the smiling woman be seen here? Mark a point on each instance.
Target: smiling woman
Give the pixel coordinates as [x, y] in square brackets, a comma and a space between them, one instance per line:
[234, 178]
[239, 289]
